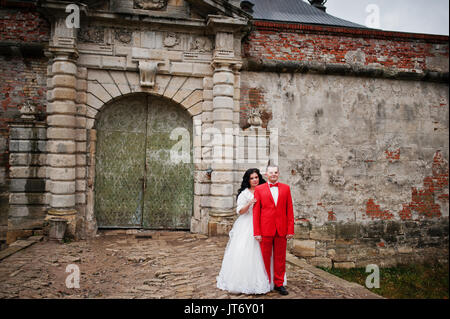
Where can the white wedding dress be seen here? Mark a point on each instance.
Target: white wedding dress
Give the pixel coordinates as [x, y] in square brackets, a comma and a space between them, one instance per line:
[243, 268]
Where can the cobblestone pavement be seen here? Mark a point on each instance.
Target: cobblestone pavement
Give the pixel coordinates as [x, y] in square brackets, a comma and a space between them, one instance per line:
[169, 265]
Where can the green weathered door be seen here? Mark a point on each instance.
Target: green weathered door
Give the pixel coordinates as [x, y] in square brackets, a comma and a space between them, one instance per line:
[169, 186]
[137, 183]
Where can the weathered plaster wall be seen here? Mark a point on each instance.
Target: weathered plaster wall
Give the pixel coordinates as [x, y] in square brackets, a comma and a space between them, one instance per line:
[367, 161]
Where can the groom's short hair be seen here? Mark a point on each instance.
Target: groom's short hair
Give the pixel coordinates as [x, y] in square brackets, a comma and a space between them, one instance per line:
[272, 165]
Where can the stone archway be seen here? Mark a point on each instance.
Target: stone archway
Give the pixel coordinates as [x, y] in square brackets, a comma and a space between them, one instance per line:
[138, 183]
[104, 87]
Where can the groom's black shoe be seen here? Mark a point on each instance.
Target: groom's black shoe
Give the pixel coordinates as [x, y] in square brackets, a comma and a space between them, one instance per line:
[281, 290]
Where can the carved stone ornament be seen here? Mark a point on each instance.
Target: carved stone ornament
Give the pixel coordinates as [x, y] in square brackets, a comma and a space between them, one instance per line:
[92, 35]
[150, 4]
[123, 36]
[254, 117]
[171, 39]
[201, 44]
[224, 41]
[28, 111]
[147, 72]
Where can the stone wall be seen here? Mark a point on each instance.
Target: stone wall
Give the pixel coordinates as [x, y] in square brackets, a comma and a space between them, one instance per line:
[381, 242]
[367, 162]
[362, 117]
[27, 171]
[23, 79]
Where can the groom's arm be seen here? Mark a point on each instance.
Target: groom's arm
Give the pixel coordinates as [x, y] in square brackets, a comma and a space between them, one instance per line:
[290, 215]
[257, 215]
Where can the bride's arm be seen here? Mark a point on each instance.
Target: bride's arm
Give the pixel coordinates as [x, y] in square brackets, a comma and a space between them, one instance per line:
[243, 204]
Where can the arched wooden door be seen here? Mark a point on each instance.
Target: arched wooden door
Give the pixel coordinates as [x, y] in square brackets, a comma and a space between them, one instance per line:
[138, 184]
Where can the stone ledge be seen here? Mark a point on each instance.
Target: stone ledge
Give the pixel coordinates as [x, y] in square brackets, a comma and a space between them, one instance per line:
[262, 65]
[359, 290]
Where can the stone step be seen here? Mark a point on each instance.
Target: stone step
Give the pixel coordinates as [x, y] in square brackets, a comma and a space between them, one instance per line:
[19, 245]
[145, 234]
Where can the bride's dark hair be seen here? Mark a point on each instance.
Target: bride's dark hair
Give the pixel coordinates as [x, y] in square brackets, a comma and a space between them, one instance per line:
[246, 179]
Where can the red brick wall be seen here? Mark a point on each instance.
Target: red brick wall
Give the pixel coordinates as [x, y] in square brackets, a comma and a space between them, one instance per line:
[290, 42]
[22, 80]
[23, 26]
[22, 76]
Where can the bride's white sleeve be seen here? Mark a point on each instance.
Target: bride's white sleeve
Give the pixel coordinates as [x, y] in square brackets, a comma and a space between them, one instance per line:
[241, 202]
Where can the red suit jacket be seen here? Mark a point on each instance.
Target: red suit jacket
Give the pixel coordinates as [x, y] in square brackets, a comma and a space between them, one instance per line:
[268, 218]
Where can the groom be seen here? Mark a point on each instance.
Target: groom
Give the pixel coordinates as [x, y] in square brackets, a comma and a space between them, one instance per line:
[273, 224]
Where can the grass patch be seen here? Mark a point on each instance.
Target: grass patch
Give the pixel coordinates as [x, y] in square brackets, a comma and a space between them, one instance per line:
[415, 281]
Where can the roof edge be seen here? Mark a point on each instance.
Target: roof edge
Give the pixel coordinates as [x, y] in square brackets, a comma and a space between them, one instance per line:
[349, 31]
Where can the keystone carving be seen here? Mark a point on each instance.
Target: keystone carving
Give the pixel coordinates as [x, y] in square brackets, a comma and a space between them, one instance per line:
[147, 72]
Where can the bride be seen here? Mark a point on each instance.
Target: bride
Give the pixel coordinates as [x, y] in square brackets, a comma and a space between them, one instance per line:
[243, 268]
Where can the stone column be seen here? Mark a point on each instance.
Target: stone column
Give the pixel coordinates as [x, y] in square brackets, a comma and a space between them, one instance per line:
[61, 122]
[222, 201]
[61, 134]
[226, 61]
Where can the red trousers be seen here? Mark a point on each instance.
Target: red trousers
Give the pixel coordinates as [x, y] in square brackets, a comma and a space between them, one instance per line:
[278, 244]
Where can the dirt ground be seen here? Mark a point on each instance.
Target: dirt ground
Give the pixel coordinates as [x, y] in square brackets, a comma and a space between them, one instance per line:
[117, 264]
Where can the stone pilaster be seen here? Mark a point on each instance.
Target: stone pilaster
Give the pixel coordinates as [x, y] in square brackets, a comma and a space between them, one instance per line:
[81, 169]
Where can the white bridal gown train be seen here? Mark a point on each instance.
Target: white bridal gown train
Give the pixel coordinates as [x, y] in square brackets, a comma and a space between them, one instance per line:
[243, 268]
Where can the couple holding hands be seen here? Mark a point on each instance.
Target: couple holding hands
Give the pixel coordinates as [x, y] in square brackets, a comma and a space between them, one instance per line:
[254, 261]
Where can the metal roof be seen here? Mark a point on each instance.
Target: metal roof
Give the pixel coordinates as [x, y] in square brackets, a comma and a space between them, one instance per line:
[296, 11]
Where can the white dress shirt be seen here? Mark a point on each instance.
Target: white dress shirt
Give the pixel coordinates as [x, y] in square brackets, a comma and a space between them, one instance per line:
[274, 191]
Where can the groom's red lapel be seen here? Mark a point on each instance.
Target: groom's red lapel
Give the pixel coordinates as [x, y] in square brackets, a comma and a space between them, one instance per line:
[280, 192]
